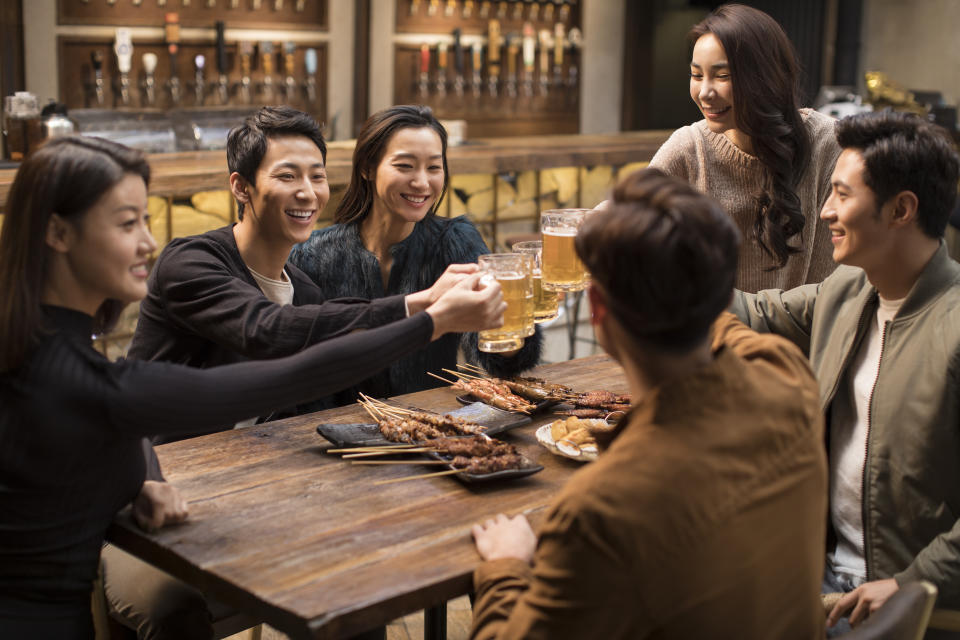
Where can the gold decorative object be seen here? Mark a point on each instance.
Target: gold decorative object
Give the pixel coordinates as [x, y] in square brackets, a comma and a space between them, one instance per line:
[884, 92]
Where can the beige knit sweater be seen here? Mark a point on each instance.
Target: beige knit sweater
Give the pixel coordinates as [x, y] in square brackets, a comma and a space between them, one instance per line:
[715, 166]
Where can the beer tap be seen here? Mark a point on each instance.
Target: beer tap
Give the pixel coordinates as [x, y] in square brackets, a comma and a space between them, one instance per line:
[529, 57]
[450, 9]
[149, 81]
[433, 7]
[245, 88]
[223, 86]
[289, 83]
[266, 60]
[518, 10]
[424, 86]
[458, 79]
[546, 42]
[123, 49]
[300, 5]
[558, 42]
[414, 7]
[257, 4]
[510, 84]
[234, 4]
[493, 57]
[172, 36]
[548, 11]
[96, 59]
[199, 85]
[564, 10]
[467, 9]
[476, 61]
[485, 9]
[185, 3]
[501, 10]
[534, 13]
[310, 63]
[441, 84]
[576, 41]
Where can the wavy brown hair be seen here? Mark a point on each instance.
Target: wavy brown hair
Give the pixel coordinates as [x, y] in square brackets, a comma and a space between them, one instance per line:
[66, 176]
[372, 144]
[766, 101]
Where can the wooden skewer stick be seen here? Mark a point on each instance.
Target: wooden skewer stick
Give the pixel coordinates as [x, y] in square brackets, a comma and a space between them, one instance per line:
[391, 452]
[436, 474]
[398, 462]
[440, 378]
[462, 375]
[472, 367]
[379, 447]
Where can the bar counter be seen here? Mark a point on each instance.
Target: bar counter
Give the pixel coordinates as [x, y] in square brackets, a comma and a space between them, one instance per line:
[183, 174]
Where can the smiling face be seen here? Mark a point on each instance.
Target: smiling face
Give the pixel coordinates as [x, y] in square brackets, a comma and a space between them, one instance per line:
[409, 178]
[291, 189]
[108, 249]
[858, 223]
[711, 86]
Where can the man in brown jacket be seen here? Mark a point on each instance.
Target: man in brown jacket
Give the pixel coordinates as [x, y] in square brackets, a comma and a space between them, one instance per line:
[705, 515]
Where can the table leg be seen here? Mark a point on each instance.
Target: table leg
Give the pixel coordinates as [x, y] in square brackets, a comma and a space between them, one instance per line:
[435, 622]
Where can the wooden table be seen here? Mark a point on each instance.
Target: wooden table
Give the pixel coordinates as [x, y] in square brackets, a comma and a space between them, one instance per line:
[302, 540]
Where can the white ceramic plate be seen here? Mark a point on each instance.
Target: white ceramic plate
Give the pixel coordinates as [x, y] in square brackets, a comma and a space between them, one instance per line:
[585, 454]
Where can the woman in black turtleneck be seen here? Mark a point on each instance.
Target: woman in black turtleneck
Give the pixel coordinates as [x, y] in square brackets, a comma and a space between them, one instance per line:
[74, 250]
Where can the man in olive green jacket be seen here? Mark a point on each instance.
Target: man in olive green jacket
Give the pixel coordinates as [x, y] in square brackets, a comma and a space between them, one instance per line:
[883, 336]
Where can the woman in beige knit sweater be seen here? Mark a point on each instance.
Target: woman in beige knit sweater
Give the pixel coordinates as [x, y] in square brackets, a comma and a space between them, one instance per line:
[767, 161]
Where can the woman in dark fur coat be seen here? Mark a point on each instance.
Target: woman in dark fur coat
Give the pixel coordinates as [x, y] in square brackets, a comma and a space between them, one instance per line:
[388, 240]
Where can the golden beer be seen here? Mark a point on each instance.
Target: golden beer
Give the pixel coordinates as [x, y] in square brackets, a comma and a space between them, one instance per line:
[546, 304]
[562, 269]
[512, 271]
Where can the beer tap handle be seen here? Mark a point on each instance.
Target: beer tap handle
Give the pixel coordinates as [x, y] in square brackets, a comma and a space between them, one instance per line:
[123, 49]
[244, 88]
[450, 9]
[223, 85]
[266, 59]
[485, 9]
[199, 87]
[493, 56]
[575, 40]
[564, 10]
[424, 87]
[310, 64]
[548, 11]
[433, 7]
[513, 49]
[234, 4]
[458, 81]
[533, 14]
[546, 43]
[300, 6]
[96, 59]
[441, 69]
[257, 4]
[174, 83]
[502, 10]
[558, 40]
[414, 7]
[518, 10]
[149, 62]
[467, 9]
[529, 57]
[278, 5]
[476, 63]
[289, 83]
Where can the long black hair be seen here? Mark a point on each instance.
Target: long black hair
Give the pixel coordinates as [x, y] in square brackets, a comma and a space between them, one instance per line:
[372, 144]
[766, 102]
[66, 176]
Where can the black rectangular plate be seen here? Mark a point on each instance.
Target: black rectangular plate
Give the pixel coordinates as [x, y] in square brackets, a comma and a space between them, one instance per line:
[367, 434]
[528, 469]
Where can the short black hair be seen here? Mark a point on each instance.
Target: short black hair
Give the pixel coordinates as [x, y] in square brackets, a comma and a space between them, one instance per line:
[666, 257]
[904, 152]
[247, 143]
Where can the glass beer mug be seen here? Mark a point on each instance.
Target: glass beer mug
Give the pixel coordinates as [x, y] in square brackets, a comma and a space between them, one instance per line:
[514, 273]
[546, 304]
[561, 267]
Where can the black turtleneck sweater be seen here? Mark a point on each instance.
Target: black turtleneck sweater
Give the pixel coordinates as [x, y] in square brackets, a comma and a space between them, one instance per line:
[71, 424]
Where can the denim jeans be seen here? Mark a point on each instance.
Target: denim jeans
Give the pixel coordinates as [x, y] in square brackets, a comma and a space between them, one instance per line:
[837, 583]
